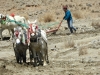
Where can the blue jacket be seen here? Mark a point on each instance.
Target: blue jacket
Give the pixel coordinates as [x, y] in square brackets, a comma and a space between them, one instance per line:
[68, 15]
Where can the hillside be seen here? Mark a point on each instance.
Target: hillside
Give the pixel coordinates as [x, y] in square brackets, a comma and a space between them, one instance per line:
[75, 54]
[36, 9]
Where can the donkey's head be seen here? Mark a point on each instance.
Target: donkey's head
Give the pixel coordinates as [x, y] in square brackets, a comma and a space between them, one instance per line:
[20, 35]
[2, 19]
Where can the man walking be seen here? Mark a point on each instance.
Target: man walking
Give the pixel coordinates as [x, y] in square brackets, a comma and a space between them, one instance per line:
[69, 19]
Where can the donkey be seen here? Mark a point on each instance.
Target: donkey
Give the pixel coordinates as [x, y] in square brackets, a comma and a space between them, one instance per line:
[20, 44]
[10, 22]
[38, 48]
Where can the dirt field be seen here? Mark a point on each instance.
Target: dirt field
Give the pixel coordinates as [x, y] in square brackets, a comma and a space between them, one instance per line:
[75, 54]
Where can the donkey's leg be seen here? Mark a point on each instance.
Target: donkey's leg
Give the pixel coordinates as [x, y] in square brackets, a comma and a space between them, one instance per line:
[1, 30]
[11, 32]
[44, 61]
[40, 58]
[24, 57]
[46, 52]
[35, 58]
[44, 57]
[47, 60]
[31, 54]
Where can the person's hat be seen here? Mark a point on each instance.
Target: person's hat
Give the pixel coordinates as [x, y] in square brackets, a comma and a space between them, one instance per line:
[65, 6]
[12, 14]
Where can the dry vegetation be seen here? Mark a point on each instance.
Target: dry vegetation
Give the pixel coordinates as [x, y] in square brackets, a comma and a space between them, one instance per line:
[96, 24]
[48, 17]
[69, 42]
[78, 15]
[82, 50]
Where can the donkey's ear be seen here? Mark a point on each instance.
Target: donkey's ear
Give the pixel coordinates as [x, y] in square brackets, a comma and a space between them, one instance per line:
[29, 22]
[35, 21]
[1, 16]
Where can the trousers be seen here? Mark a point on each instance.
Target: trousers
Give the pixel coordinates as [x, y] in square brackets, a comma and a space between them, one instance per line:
[70, 25]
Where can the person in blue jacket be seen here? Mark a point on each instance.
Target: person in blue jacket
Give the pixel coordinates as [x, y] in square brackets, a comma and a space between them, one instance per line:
[69, 19]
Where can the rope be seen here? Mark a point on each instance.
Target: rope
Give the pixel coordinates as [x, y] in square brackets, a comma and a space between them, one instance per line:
[3, 22]
[49, 25]
[19, 23]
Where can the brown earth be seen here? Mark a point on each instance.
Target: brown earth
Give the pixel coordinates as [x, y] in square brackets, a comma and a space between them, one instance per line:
[75, 54]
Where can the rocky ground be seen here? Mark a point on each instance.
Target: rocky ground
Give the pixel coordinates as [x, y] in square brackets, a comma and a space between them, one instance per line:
[75, 54]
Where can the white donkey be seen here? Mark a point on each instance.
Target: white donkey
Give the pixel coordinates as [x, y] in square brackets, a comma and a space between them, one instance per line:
[34, 28]
[38, 46]
[20, 44]
[11, 21]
